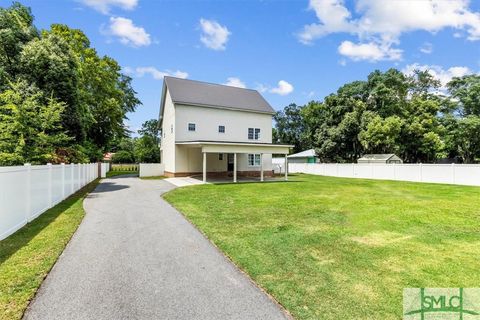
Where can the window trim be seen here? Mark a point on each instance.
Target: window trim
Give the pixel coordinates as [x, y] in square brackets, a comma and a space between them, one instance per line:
[255, 158]
[194, 126]
[254, 133]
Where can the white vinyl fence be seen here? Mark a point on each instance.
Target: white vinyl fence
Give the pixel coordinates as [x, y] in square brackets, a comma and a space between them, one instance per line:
[28, 191]
[462, 174]
[151, 169]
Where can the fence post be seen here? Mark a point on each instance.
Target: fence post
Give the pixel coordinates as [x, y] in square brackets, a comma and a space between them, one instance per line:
[394, 171]
[28, 188]
[421, 172]
[63, 180]
[79, 166]
[50, 186]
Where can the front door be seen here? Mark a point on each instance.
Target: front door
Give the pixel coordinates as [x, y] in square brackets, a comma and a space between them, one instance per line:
[230, 162]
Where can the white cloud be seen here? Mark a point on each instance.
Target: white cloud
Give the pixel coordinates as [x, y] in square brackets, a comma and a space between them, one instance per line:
[444, 75]
[426, 48]
[384, 24]
[128, 33]
[214, 35]
[104, 6]
[235, 82]
[369, 51]
[283, 88]
[155, 73]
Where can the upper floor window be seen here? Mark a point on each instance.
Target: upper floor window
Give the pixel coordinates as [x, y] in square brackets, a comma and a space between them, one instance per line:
[254, 133]
[221, 129]
[191, 127]
[171, 128]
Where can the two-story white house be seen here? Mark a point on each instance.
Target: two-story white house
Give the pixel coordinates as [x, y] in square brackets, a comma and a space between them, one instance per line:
[215, 130]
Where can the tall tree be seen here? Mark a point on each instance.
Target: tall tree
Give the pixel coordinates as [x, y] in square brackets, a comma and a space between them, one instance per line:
[30, 126]
[290, 127]
[17, 29]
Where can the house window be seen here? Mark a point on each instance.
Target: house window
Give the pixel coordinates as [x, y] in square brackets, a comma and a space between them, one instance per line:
[253, 160]
[253, 133]
[220, 156]
[191, 127]
[171, 128]
[221, 129]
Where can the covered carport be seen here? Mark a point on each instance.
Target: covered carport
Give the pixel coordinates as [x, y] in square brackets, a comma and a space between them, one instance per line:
[237, 148]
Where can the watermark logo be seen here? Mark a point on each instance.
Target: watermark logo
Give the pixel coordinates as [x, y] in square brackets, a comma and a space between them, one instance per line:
[441, 304]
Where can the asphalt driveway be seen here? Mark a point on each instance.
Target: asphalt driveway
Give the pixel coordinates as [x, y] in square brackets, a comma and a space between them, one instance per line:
[136, 257]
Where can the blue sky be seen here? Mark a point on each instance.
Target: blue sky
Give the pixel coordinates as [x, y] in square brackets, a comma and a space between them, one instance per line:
[291, 51]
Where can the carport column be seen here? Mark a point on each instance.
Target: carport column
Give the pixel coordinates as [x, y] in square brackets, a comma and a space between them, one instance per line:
[261, 166]
[286, 168]
[234, 167]
[204, 167]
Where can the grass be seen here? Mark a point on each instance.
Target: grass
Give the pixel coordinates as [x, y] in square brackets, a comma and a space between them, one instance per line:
[115, 173]
[335, 248]
[153, 178]
[27, 256]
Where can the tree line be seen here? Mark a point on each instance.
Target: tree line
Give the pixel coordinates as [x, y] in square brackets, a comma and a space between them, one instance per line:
[60, 101]
[390, 112]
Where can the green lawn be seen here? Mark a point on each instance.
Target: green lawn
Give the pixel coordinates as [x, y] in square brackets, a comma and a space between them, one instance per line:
[334, 248]
[153, 178]
[27, 256]
[114, 173]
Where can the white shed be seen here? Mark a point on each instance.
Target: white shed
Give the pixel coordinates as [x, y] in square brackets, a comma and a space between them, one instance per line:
[380, 158]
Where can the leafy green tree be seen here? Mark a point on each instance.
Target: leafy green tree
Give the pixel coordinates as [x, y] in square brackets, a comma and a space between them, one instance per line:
[49, 64]
[17, 29]
[123, 156]
[466, 90]
[30, 130]
[147, 146]
[382, 135]
[464, 138]
[289, 127]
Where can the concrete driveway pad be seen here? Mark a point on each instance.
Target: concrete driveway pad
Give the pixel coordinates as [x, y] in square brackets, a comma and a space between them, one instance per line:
[136, 257]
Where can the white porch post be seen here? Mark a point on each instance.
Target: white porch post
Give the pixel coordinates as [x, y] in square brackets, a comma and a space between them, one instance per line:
[286, 168]
[261, 166]
[204, 167]
[234, 167]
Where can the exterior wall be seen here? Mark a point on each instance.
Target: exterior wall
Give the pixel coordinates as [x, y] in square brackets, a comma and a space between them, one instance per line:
[207, 121]
[168, 138]
[191, 160]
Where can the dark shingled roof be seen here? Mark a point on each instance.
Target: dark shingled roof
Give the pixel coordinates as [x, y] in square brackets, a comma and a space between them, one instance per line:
[199, 93]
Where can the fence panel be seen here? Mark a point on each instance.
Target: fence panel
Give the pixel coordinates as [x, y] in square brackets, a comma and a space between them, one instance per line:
[28, 191]
[151, 169]
[462, 174]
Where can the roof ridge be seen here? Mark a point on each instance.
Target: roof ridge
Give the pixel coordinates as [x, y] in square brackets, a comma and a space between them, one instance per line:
[211, 83]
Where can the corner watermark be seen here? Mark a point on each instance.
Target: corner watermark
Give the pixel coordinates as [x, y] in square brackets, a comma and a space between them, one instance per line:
[441, 304]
